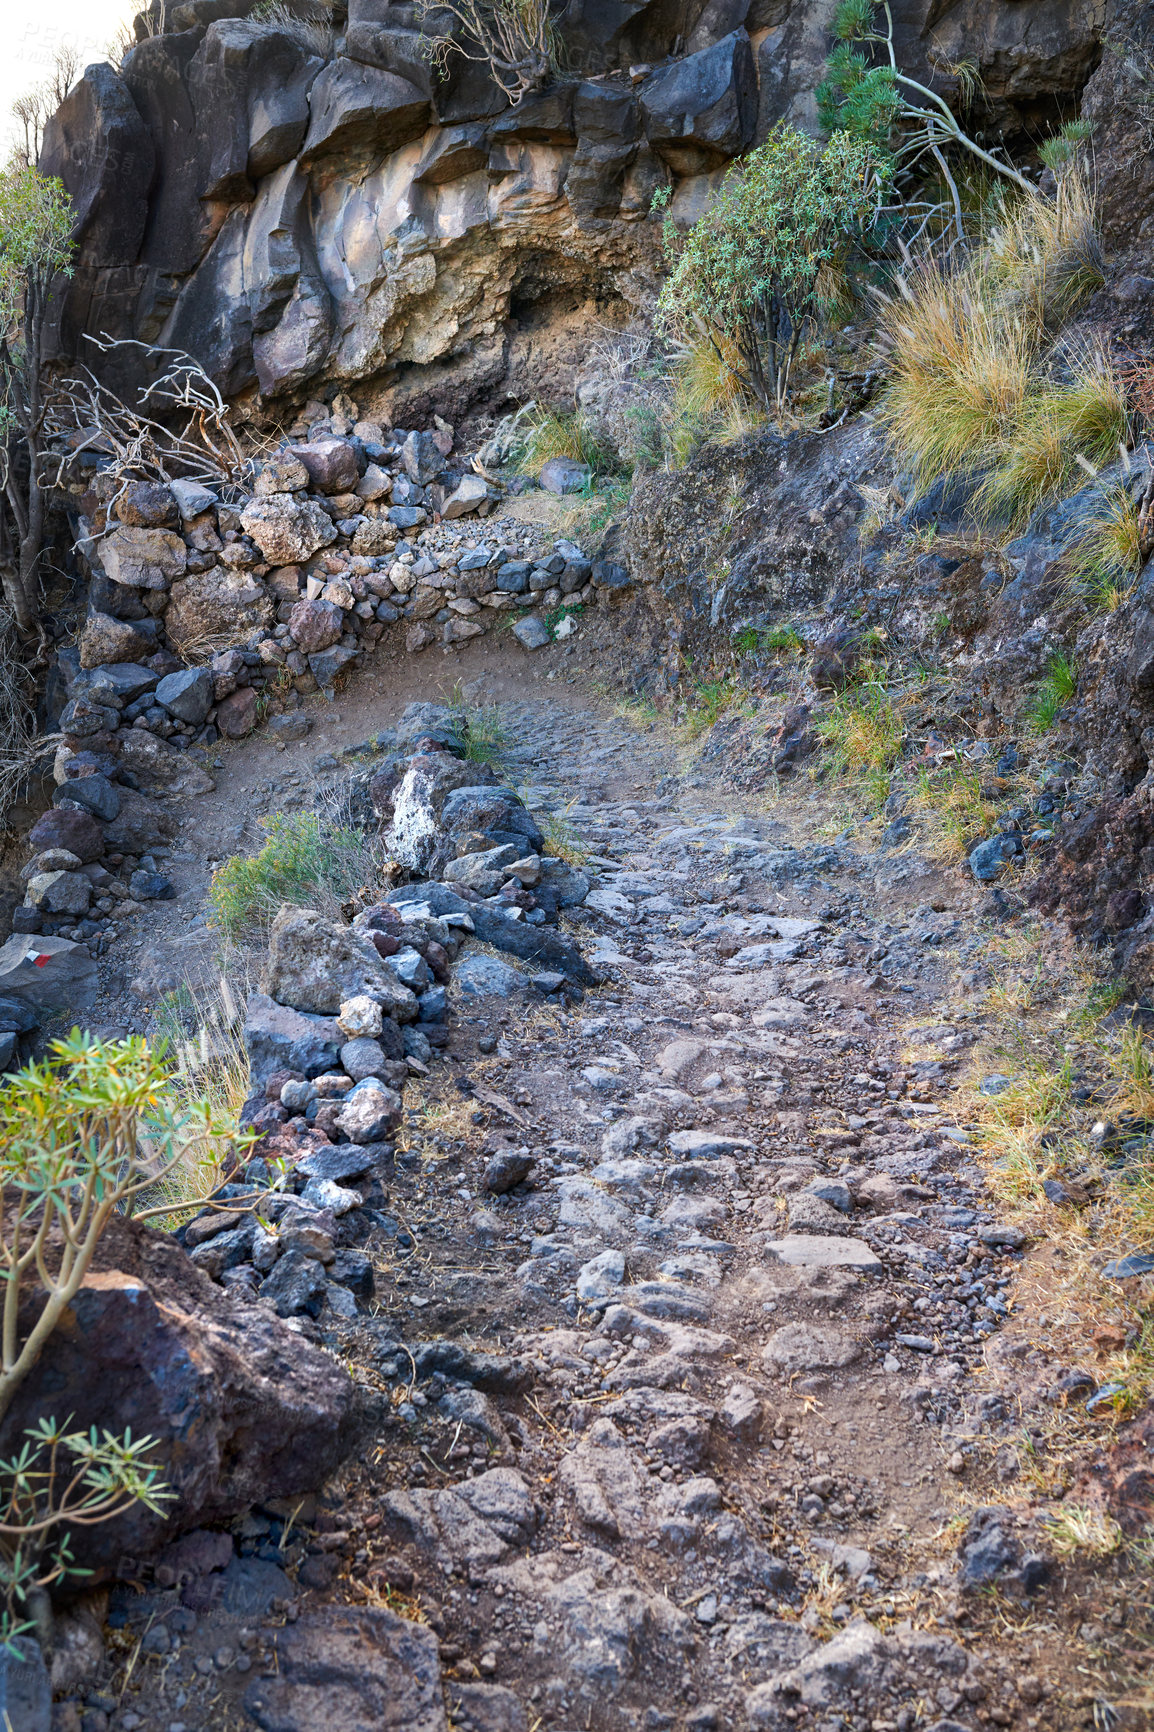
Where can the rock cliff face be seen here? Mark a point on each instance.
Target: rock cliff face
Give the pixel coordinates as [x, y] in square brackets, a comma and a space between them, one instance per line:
[299, 211]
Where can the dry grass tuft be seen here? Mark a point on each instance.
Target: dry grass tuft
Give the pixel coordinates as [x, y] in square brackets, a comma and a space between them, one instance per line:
[976, 395]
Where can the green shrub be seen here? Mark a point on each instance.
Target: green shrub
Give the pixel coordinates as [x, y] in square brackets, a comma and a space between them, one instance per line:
[305, 863]
[759, 270]
[82, 1134]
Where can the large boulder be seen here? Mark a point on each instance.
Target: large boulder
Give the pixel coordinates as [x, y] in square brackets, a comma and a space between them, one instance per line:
[703, 109]
[249, 85]
[357, 108]
[139, 825]
[159, 768]
[98, 145]
[417, 805]
[316, 624]
[315, 965]
[277, 1038]
[106, 641]
[142, 558]
[242, 1409]
[222, 603]
[67, 827]
[47, 973]
[287, 528]
[605, 119]
[330, 464]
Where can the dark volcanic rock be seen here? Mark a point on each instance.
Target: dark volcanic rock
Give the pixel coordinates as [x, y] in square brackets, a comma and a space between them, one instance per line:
[359, 1669]
[243, 1409]
[66, 827]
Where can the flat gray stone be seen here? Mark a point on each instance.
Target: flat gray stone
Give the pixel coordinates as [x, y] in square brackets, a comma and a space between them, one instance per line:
[487, 977]
[804, 1347]
[359, 1669]
[706, 1145]
[531, 633]
[600, 1278]
[824, 1251]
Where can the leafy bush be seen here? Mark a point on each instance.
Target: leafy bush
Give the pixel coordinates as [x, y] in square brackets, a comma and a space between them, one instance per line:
[763, 265]
[82, 1134]
[306, 862]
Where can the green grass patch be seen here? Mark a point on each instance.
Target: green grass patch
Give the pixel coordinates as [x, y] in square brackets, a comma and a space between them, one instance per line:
[305, 864]
[1055, 692]
[862, 734]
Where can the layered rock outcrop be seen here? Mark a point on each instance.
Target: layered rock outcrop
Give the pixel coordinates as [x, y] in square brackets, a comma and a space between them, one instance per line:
[293, 205]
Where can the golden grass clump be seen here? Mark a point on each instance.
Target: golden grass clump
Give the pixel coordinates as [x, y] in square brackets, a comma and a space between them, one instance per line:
[1060, 420]
[961, 371]
[1045, 257]
[1108, 557]
[977, 392]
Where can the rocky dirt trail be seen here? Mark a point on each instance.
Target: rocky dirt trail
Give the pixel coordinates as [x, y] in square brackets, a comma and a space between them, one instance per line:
[691, 1372]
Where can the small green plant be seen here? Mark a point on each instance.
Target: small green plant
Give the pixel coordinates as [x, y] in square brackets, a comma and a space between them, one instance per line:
[83, 1133]
[1055, 692]
[959, 813]
[1108, 556]
[553, 616]
[710, 699]
[782, 637]
[562, 839]
[57, 1481]
[862, 732]
[759, 270]
[305, 862]
[484, 735]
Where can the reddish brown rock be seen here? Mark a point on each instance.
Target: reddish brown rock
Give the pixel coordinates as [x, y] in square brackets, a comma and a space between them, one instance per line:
[331, 464]
[148, 505]
[242, 1408]
[236, 715]
[316, 624]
